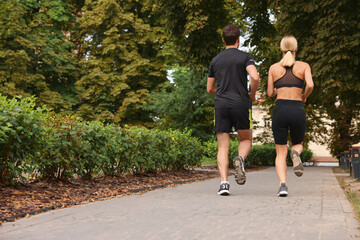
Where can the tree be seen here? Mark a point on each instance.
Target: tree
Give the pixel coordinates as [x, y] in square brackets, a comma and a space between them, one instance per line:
[123, 60]
[329, 39]
[195, 30]
[184, 104]
[195, 27]
[36, 57]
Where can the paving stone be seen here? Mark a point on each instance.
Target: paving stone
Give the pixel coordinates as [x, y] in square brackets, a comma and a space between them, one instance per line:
[316, 208]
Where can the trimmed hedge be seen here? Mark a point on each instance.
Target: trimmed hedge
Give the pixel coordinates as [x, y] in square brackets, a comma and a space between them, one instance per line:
[263, 155]
[37, 143]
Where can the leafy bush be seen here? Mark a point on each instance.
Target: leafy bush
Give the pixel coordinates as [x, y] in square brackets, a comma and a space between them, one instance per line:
[21, 135]
[152, 150]
[38, 143]
[61, 148]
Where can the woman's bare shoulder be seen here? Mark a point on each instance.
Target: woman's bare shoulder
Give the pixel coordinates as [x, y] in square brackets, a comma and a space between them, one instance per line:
[302, 64]
[275, 66]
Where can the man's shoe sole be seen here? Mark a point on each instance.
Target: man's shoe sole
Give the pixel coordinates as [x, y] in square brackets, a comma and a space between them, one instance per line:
[224, 193]
[240, 176]
[297, 164]
[283, 194]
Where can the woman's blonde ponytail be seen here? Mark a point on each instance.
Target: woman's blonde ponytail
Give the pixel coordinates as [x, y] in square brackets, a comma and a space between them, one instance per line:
[288, 45]
[287, 60]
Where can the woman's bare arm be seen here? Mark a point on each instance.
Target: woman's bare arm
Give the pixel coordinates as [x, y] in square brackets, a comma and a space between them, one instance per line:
[270, 87]
[309, 83]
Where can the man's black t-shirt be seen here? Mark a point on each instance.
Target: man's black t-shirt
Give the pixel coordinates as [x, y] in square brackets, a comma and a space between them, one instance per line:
[229, 70]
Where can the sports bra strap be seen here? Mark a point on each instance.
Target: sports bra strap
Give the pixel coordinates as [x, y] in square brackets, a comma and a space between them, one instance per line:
[289, 80]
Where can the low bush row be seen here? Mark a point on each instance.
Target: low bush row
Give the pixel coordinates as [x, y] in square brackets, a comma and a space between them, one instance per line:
[36, 143]
[263, 155]
[39, 144]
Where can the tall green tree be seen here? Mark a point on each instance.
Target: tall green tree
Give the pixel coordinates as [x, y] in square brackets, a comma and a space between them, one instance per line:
[184, 103]
[195, 30]
[35, 55]
[328, 33]
[123, 60]
[195, 27]
[264, 38]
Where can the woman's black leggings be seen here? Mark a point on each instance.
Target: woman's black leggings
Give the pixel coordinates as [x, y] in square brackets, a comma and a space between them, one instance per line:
[288, 114]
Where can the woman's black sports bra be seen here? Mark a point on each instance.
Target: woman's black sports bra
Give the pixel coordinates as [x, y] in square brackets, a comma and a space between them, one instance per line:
[289, 80]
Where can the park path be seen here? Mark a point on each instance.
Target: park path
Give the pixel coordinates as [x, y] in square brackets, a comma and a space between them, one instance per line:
[316, 208]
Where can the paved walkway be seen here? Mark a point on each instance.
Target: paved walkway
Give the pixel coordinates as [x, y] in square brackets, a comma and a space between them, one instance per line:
[316, 208]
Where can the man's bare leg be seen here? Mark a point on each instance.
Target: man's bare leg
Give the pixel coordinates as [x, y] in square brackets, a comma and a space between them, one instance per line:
[244, 148]
[223, 140]
[245, 138]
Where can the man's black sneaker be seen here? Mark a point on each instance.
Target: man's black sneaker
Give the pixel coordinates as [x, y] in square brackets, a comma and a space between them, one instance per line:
[224, 189]
[283, 190]
[239, 166]
[297, 164]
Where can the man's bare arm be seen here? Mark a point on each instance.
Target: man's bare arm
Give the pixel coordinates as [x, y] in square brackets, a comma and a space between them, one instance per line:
[254, 80]
[211, 85]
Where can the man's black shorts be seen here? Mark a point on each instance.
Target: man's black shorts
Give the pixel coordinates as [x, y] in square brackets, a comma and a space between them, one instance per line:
[227, 118]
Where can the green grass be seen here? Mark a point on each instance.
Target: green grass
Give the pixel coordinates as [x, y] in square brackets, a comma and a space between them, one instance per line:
[208, 161]
[355, 202]
[352, 196]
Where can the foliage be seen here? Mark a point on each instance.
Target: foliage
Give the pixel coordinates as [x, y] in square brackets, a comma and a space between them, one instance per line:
[328, 35]
[184, 103]
[195, 27]
[122, 58]
[39, 144]
[20, 136]
[35, 55]
[61, 148]
[328, 41]
[104, 59]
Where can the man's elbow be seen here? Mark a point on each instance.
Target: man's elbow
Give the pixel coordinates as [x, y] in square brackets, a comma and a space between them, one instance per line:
[255, 79]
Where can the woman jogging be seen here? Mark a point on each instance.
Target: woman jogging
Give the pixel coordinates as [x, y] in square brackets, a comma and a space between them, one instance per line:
[286, 80]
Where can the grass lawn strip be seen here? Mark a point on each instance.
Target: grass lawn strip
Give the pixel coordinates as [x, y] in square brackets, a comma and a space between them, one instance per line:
[351, 187]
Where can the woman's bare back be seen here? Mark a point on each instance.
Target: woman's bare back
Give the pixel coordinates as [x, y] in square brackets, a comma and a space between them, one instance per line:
[292, 93]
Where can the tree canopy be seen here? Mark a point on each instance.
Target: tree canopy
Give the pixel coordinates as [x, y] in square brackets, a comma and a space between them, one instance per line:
[108, 60]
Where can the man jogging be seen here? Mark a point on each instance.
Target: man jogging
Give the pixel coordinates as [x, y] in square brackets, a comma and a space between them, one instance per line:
[227, 80]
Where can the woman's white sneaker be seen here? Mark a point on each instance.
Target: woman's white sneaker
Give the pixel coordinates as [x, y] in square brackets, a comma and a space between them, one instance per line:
[283, 190]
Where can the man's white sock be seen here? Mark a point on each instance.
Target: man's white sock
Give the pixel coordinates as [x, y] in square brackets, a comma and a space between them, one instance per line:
[224, 182]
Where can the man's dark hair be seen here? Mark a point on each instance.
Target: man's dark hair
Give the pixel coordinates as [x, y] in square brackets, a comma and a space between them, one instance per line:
[231, 33]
